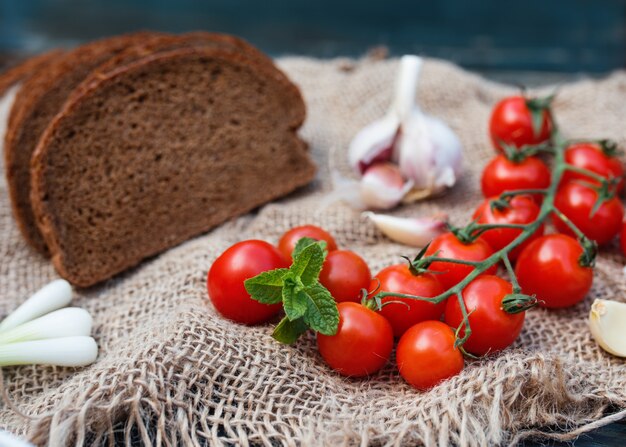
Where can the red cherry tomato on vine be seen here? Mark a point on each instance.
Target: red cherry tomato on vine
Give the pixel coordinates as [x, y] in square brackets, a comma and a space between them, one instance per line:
[493, 329]
[345, 274]
[426, 354]
[576, 201]
[521, 210]
[398, 278]
[550, 269]
[227, 274]
[288, 241]
[447, 245]
[501, 175]
[511, 123]
[362, 344]
[590, 156]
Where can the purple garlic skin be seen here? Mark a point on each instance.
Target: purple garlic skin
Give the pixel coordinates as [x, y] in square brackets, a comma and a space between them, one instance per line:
[383, 186]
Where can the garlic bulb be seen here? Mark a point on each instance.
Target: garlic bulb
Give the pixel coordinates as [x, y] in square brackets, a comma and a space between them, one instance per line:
[413, 231]
[607, 321]
[426, 150]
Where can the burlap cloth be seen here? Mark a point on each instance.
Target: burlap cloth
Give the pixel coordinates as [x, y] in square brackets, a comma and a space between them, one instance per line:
[172, 372]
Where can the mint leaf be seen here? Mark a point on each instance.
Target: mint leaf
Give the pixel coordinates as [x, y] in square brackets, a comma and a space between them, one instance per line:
[288, 331]
[294, 300]
[267, 287]
[321, 314]
[307, 264]
[300, 245]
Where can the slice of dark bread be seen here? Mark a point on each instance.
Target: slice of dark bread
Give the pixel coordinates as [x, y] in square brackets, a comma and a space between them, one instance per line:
[38, 100]
[26, 68]
[69, 77]
[161, 150]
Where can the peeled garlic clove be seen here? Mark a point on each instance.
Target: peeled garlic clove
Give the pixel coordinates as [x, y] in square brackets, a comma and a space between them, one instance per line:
[373, 143]
[607, 321]
[428, 153]
[382, 186]
[413, 231]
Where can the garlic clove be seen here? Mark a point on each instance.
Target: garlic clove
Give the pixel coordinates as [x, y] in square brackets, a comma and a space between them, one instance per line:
[416, 232]
[428, 153]
[383, 187]
[607, 321]
[373, 143]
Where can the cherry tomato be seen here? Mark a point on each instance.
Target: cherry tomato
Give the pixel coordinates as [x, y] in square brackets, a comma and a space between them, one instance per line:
[549, 268]
[448, 246]
[345, 274]
[590, 156]
[512, 123]
[622, 238]
[493, 329]
[362, 344]
[227, 274]
[521, 210]
[426, 354]
[398, 278]
[288, 241]
[576, 201]
[501, 175]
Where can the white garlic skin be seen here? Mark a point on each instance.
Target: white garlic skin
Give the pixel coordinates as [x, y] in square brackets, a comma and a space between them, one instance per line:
[374, 143]
[383, 186]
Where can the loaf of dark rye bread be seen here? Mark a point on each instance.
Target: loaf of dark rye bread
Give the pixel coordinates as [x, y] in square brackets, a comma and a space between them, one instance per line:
[38, 100]
[162, 149]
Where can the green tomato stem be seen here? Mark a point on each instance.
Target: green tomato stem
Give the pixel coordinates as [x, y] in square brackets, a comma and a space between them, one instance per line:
[522, 192]
[509, 269]
[464, 324]
[585, 172]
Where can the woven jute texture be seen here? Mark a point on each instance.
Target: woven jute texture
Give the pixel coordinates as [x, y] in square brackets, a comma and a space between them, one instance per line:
[172, 372]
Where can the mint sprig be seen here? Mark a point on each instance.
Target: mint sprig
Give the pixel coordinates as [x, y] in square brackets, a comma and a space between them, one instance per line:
[307, 303]
[267, 287]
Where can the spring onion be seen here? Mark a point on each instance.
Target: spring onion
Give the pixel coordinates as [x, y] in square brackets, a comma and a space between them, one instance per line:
[51, 297]
[65, 351]
[68, 322]
[43, 331]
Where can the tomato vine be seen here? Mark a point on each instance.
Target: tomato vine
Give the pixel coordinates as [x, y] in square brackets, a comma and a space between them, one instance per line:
[517, 301]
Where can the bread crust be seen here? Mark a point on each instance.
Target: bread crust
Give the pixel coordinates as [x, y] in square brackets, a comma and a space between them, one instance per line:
[51, 227]
[170, 42]
[26, 68]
